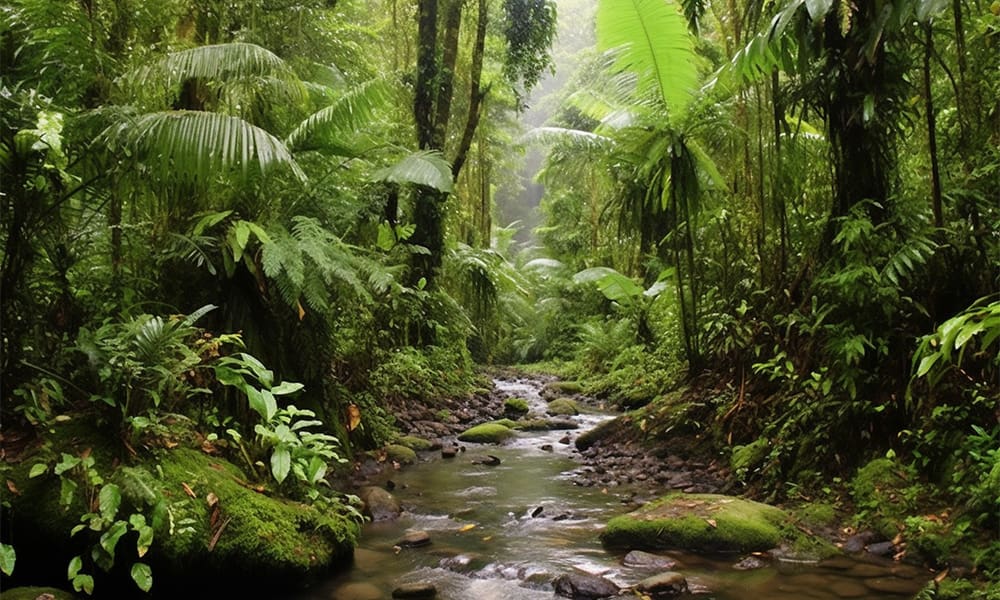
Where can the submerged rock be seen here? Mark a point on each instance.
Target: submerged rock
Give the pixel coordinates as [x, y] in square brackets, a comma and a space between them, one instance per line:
[415, 590]
[415, 538]
[358, 590]
[645, 560]
[664, 585]
[379, 504]
[584, 585]
[707, 523]
[563, 407]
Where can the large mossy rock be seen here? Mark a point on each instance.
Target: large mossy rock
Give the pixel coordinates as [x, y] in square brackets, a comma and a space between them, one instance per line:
[418, 444]
[707, 523]
[487, 433]
[210, 520]
[403, 455]
[563, 407]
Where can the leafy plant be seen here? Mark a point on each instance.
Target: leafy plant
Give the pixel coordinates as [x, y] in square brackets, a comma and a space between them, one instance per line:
[282, 431]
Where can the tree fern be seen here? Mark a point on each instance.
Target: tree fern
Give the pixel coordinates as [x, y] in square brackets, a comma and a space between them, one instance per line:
[652, 40]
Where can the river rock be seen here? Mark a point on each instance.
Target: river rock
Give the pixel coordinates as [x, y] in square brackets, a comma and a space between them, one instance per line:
[881, 549]
[563, 407]
[848, 589]
[750, 563]
[449, 452]
[707, 523]
[547, 447]
[584, 585]
[664, 585]
[415, 590]
[379, 504]
[414, 538]
[487, 433]
[893, 585]
[646, 560]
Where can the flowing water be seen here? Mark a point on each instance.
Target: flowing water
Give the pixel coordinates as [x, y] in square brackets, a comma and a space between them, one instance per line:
[504, 532]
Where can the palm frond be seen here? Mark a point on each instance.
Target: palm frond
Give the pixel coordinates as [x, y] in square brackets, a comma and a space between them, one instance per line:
[427, 168]
[216, 62]
[654, 43]
[196, 146]
[349, 113]
[560, 135]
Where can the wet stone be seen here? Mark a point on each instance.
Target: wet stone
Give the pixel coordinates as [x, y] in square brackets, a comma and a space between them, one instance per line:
[881, 549]
[646, 560]
[664, 585]
[415, 591]
[750, 563]
[584, 586]
[414, 539]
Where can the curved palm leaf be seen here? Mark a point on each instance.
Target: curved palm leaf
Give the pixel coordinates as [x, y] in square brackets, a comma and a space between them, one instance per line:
[216, 62]
[197, 146]
[652, 40]
[561, 135]
[426, 168]
[347, 114]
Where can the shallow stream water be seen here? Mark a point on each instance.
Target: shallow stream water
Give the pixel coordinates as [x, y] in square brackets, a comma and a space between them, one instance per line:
[504, 532]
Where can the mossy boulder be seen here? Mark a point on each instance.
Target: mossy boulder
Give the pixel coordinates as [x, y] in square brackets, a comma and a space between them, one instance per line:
[563, 406]
[417, 444]
[746, 458]
[533, 425]
[210, 520]
[706, 523]
[487, 433]
[590, 437]
[515, 406]
[401, 454]
[509, 423]
[554, 389]
[888, 492]
[33, 593]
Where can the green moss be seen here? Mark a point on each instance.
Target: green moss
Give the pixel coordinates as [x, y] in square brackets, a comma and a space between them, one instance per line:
[566, 387]
[31, 593]
[487, 433]
[885, 492]
[515, 406]
[415, 443]
[404, 455]
[510, 424]
[563, 406]
[745, 458]
[590, 437]
[816, 514]
[533, 425]
[702, 523]
[265, 536]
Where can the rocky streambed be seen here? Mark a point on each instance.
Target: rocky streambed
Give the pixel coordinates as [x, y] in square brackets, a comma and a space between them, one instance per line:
[549, 501]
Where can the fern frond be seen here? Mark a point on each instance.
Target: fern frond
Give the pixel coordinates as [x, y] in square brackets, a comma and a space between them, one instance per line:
[196, 146]
[348, 114]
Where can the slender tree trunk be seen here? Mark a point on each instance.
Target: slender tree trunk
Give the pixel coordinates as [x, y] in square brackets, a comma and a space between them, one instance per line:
[931, 127]
[476, 93]
[446, 73]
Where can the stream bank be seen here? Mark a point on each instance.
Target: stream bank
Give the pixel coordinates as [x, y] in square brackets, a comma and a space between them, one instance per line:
[520, 519]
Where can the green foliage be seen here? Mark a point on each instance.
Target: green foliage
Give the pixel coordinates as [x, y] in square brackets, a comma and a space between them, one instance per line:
[282, 431]
[529, 28]
[976, 328]
[515, 406]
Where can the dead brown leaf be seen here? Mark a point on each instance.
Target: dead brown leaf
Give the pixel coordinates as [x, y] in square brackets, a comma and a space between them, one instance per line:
[13, 488]
[713, 523]
[188, 490]
[353, 417]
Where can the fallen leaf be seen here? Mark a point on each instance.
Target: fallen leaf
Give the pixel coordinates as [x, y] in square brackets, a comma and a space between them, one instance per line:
[212, 499]
[712, 522]
[468, 527]
[302, 311]
[487, 538]
[188, 490]
[940, 576]
[86, 453]
[170, 444]
[13, 488]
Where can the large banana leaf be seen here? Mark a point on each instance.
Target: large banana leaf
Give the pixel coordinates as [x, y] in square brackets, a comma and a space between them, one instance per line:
[199, 146]
[651, 39]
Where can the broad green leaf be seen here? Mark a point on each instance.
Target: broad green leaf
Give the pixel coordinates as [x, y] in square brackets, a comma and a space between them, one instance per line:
[328, 128]
[257, 403]
[110, 537]
[426, 168]
[208, 221]
[651, 39]
[286, 387]
[67, 462]
[8, 556]
[270, 404]
[281, 463]
[75, 564]
[927, 363]
[37, 469]
[109, 498]
[142, 575]
[83, 583]
[67, 488]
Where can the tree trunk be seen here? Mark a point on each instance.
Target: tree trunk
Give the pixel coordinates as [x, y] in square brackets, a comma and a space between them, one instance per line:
[476, 94]
[931, 128]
